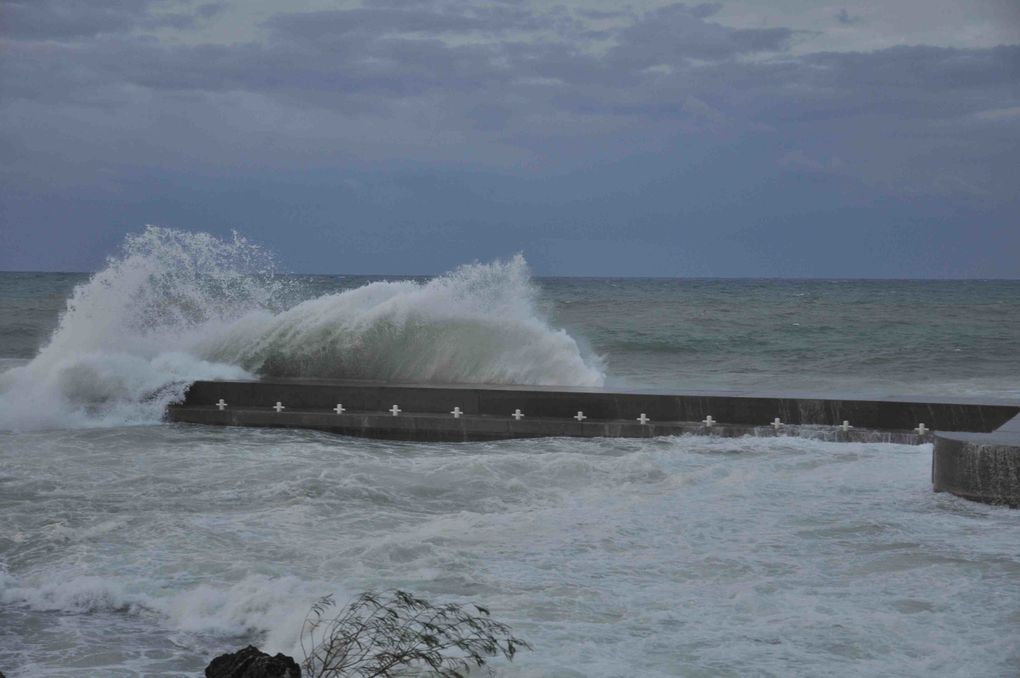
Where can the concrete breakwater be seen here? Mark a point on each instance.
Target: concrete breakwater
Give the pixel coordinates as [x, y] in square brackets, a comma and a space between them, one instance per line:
[977, 454]
[980, 466]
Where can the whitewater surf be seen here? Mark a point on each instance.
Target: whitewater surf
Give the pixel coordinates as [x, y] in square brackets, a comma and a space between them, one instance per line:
[174, 307]
[131, 546]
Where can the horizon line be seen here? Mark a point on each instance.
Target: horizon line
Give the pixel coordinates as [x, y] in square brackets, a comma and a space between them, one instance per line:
[607, 277]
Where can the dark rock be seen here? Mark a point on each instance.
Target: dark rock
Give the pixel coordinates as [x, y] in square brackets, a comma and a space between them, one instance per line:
[252, 663]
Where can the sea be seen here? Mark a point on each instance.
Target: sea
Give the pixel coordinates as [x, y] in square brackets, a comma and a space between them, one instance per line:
[134, 547]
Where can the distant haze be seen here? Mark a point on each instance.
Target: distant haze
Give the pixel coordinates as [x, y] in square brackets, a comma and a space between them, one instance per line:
[742, 138]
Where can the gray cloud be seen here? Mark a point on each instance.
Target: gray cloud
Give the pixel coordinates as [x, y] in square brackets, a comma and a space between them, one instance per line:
[61, 20]
[73, 19]
[677, 32]
[655, 63]
[333, 25]
[846, 18]
[97, 95]
[387, 61]
[799, 161]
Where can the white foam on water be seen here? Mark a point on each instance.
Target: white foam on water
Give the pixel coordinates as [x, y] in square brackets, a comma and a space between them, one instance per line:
[677, 556]
[75, 594]
[152, 549]
[174, 307]
[269, 608]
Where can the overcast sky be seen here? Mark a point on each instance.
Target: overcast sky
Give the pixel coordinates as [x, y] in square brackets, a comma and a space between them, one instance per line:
[742, 138]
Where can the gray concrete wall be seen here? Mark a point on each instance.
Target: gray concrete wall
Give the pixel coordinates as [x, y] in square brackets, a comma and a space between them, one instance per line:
[976, 452]
[746, 409]
[979, 466]
[444, 427]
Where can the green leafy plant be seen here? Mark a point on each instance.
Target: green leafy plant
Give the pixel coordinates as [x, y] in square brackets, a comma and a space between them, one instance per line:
[380, 635]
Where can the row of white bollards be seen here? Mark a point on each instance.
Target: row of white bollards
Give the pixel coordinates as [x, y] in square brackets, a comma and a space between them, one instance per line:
[517, 415]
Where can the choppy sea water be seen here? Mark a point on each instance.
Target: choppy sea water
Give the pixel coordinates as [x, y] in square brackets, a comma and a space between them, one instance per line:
[148, 550]
[133, 547]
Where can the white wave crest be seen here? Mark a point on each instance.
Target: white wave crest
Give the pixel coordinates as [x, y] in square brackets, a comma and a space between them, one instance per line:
[272, 608]
[477, 324]
[121, 351]
[174, 307]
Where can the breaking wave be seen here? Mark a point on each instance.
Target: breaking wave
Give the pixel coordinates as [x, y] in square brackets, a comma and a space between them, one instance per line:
[173, 307]
[271, 607]
[477, 324]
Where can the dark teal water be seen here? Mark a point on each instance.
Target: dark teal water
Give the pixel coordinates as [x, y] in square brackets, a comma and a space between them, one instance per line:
[133, 547]
[952, 338]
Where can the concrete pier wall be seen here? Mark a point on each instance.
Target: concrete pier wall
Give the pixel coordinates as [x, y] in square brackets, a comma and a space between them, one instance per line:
[979, 466]
[977, 442]
[445, 428]
[746, 409]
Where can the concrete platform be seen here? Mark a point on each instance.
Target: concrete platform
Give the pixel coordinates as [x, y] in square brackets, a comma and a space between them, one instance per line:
[977, 442]
[982, 467]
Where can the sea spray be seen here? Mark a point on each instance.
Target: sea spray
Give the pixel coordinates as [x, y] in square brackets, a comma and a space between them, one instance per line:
[476, 324]
[121, 351]
[173, 307]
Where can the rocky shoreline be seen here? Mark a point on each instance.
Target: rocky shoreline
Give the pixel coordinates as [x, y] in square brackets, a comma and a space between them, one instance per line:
[251, 663]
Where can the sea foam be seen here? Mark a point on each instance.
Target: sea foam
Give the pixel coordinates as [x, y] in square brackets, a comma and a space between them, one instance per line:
[272, 608]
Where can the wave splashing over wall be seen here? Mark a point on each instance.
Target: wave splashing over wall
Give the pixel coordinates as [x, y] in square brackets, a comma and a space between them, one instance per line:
[477, 324]
[173, 307]
[121, 351]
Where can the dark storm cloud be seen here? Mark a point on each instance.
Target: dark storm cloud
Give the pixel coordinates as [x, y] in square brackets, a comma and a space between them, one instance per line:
[846, 18]
[76, 19]
[337, 58]
[691, 115]
[908, 82]
[671, 64]
[337, 24]
[671, 34]
[62, 19]
[924, 67]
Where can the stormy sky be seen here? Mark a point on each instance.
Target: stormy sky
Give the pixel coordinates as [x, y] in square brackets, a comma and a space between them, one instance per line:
[740, 138]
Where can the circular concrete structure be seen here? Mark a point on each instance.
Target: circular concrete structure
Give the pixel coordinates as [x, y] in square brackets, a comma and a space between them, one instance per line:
[981, 467]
